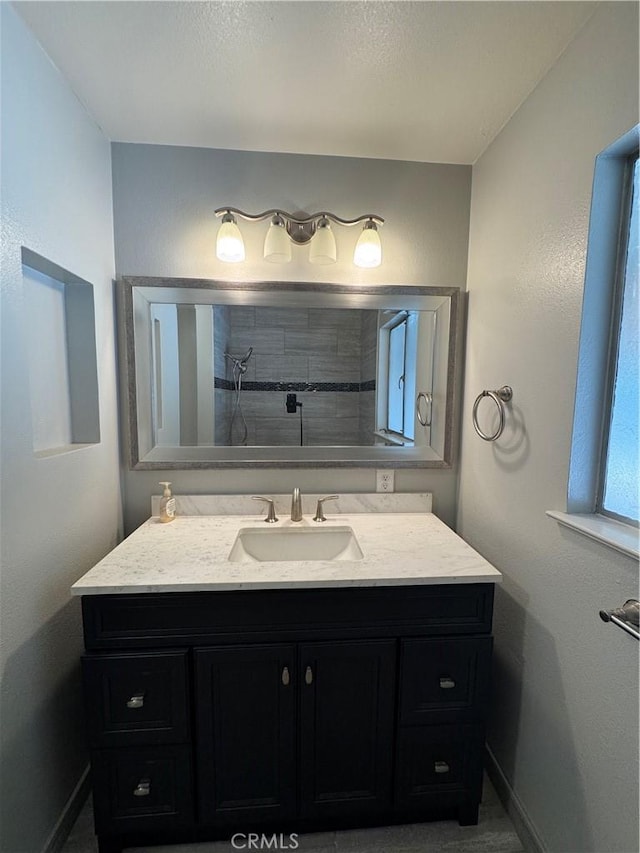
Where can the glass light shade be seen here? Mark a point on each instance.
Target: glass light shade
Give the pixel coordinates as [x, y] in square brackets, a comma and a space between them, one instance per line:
[368, 251]
[277, 244]
[229, 244]
[323, 246]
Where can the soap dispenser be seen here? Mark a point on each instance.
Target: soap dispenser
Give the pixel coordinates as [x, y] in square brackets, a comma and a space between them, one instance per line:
[167, 504]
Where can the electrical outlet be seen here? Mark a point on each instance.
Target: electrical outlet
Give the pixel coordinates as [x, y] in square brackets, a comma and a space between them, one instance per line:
[384, 480]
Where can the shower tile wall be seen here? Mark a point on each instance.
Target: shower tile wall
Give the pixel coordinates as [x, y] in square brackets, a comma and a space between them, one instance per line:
[313, 347]
[222, 399]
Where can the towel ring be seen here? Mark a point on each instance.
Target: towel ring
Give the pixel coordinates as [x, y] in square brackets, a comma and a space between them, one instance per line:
[499, 397]
[424, 418]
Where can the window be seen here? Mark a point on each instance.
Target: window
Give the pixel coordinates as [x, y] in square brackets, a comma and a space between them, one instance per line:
[620, 474]
[602, 499]
[402, 376]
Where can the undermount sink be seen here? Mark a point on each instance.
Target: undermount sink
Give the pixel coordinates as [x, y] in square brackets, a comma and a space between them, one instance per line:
[257, 544]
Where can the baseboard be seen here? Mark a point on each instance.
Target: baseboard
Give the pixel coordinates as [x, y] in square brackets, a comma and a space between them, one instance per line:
[513, 806]
[59, 833]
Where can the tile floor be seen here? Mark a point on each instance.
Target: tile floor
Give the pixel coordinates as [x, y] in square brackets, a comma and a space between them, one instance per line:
[493, 834]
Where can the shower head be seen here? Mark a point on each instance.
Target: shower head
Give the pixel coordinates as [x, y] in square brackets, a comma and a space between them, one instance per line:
[240, 364]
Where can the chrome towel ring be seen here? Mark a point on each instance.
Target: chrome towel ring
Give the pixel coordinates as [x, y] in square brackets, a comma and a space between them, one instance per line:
[424, 417]
[499, 397]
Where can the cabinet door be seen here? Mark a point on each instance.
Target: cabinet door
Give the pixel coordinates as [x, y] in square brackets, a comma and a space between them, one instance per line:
[347, 692]
[245, 752]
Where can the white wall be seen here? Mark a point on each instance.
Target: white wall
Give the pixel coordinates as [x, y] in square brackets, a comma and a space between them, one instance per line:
[565, 708]
[59, 514]
[164, 198]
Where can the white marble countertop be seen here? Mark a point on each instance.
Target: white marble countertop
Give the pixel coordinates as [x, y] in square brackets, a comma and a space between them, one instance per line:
[190, 554]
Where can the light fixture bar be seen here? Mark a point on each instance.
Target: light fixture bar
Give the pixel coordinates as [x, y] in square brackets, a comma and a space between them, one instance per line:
[301, 230]
[299, 220]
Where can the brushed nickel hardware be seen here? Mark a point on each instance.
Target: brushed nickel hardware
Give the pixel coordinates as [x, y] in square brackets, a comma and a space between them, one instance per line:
[286, 678]
[441, 767]
[447, 683]
[319, 516]
[626, 617]
[143, 788]
[500, 397]
[271, 511]
[308, 675]
[296, 505]
[424, 417]
[136, 701]
[285, 228]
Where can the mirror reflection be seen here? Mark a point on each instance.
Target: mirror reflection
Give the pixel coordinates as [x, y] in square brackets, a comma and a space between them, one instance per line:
[223, 374]
[250, 375]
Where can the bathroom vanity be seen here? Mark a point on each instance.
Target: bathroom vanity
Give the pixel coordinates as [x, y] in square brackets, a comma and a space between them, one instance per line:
[285, 696]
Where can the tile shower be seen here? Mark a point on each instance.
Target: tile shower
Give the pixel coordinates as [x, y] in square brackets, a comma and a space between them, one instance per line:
[327, 358]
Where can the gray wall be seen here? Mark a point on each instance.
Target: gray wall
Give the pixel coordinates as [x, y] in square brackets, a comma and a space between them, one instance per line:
[565, 708]
[60, 514]
[164, 198]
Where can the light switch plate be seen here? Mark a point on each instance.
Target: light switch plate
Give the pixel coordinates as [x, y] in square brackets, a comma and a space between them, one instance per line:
[384, 480]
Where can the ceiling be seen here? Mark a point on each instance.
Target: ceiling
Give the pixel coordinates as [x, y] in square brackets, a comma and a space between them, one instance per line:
[425, 81]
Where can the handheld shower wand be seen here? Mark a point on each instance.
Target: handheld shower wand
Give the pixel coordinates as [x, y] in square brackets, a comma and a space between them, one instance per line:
[239, 369]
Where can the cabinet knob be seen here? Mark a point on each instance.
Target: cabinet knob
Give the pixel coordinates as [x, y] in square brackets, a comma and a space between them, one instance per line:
[136, 701]
[447, 683]
[308, 675]
[286, 678]
[441, 767]
[143, 788]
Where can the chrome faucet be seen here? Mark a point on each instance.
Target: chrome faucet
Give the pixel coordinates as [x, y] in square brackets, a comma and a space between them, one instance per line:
[296, 505]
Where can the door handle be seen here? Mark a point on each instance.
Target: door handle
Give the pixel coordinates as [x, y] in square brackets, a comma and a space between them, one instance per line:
[308, 675]
[286, 678]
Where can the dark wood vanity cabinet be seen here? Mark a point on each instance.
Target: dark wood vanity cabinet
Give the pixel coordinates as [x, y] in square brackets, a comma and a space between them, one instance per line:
[284, 710]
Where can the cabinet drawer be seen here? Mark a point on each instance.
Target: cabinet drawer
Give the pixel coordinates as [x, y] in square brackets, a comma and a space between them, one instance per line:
[444, 680]
[136, 698]
[438, 759]
[139, 789]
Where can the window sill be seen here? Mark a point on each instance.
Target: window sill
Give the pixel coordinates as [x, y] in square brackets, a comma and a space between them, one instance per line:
[614, 534]
[393, 438]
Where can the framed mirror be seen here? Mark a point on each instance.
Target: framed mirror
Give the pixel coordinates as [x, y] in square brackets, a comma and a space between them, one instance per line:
[225, 374]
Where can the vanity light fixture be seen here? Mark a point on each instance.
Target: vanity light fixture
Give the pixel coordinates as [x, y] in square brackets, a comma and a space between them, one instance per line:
[368, 251]
[229, 245]
[277, 245]
[285, 228]
[323, 246]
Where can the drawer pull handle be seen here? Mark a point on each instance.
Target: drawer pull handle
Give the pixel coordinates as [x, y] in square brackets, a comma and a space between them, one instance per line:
[143, 788]
[441, 767]
[286, 678]
[308, 675]
[136, 701]
[447, 683]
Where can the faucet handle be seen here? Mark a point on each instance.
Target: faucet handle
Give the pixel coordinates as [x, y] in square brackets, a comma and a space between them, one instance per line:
[319, 516]
[271, 512]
